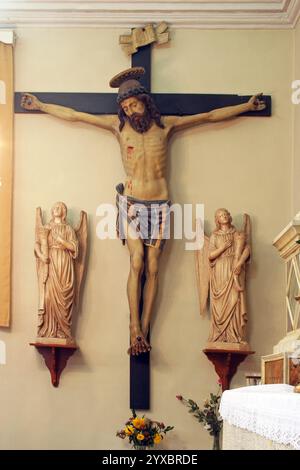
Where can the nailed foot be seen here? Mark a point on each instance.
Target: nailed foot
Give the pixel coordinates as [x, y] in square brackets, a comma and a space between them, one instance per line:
[138, 343]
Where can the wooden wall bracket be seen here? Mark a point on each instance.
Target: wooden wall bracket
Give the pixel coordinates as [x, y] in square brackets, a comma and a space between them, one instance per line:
[226, 363]
[56, 357]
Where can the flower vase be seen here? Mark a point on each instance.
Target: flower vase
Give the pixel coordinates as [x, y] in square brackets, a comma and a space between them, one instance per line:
[137, 447]
[216, 443]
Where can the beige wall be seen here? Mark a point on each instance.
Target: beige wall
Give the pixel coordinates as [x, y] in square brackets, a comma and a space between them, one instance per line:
[244, 165]
[296, 111]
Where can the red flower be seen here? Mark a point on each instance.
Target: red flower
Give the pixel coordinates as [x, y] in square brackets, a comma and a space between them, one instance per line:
[179, 397]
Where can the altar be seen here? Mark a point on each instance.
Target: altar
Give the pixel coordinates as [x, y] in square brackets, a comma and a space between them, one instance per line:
[263, 417]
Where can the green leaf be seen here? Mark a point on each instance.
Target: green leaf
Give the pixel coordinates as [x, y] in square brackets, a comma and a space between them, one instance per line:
[168, 428]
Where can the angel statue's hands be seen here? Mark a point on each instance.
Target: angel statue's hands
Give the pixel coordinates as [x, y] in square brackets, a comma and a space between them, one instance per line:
[227, 244]
[30, 102]
[256, 103]
[237, 269]
[59, 239]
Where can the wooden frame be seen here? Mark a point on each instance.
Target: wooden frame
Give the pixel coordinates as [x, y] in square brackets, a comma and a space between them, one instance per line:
[287, 377]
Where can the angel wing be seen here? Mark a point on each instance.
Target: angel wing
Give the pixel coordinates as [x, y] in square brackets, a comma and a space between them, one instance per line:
[202, 269]
[38, 221]
[41, 268]
[81, 232]
[38, 226]
[247, 229]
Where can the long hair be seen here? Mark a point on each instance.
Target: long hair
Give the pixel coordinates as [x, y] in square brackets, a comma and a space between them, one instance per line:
[218, 226]
[151, 108]
[64, 211]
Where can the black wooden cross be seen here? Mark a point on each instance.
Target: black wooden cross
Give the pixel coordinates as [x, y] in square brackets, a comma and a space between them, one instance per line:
[179, 104]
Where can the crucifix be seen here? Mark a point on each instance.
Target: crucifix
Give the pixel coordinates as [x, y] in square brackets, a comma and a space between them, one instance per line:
[143, 124]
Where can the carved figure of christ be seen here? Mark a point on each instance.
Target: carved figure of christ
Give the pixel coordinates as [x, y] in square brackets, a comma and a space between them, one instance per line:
[143, 137]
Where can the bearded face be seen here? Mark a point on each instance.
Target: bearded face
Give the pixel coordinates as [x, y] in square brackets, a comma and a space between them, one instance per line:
[137, 114]
[140, 112]
[140, 122]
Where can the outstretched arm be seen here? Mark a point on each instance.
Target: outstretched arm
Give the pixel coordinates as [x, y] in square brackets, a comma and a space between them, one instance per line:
[32, 103]
[184, 122]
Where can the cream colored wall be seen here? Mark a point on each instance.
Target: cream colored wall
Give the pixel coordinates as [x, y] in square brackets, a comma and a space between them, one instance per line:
[296, 111]
[244, 165]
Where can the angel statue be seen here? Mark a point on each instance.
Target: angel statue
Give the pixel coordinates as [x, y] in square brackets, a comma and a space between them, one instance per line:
[60, 254]
[221, 269]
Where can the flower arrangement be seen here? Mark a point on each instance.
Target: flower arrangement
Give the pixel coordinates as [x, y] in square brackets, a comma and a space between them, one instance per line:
[142, 432]
[209, 416]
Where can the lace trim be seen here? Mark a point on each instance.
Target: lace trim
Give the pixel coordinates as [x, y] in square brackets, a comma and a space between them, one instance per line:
[272, 414]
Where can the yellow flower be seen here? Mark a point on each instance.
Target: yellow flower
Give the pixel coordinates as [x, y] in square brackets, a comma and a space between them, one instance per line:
[129, 430]
[138, 423]
[140, 437]
[157, 438]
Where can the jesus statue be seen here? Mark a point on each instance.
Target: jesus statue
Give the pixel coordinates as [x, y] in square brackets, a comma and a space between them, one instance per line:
[143, 135]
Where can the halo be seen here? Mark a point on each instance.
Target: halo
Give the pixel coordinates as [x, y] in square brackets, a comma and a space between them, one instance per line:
[134, 73]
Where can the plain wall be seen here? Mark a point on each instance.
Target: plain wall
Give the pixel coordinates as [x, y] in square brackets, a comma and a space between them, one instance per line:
[296, 112]
[244, 165]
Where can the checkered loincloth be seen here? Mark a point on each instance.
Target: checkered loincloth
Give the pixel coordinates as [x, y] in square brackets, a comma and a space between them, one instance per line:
[149, 220]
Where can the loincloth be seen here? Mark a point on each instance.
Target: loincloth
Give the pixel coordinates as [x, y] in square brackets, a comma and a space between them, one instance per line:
[149, 220]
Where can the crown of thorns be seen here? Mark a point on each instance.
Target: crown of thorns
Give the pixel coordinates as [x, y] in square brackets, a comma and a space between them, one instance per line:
[128, 83]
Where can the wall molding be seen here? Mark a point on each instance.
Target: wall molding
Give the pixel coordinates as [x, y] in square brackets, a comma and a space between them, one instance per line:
[208, 14]
[7, 37]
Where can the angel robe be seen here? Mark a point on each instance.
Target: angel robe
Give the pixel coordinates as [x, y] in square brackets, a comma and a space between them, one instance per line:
[228, 306]
[60, 289]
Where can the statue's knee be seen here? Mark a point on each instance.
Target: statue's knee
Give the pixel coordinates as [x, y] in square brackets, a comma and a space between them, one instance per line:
[152, 269]
[137, 263]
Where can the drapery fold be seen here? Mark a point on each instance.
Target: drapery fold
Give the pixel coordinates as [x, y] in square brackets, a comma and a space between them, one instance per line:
[6, 177]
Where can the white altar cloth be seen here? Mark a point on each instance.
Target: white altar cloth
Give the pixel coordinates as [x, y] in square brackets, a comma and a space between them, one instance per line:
[272, 411]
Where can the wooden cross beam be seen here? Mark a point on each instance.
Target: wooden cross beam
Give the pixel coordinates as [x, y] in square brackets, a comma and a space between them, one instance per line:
[177, 104]
[172, 104]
